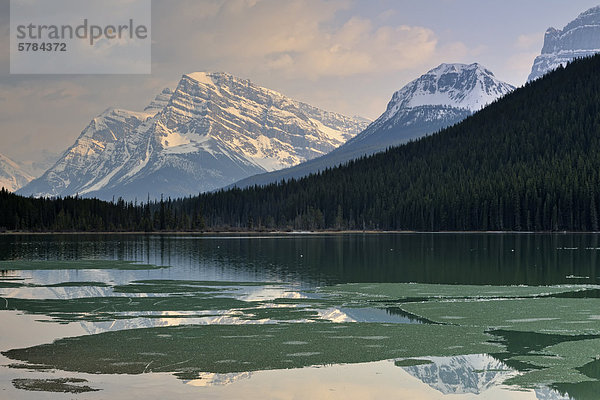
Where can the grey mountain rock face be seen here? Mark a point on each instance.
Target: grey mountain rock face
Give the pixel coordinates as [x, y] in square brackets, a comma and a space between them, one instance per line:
[442, 97]
[160, 101]
[580, 38]
[211, 131]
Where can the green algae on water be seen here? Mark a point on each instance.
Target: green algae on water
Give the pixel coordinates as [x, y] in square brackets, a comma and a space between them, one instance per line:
[60, 385]
[410, 291]
[563, 316]
[189, 350]
[411, 362]
[562, 363]
[114, 307]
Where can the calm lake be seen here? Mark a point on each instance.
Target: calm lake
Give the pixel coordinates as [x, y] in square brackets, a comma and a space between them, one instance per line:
[352, 316]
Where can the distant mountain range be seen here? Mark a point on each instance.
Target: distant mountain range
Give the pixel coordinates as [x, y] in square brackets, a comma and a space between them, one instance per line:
[580, 38]
[212, 130]
[12, 175]
[527, 162]
[215, 130]
[440, 98]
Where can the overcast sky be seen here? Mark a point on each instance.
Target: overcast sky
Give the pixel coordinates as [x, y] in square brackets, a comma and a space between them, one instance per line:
[347, 56]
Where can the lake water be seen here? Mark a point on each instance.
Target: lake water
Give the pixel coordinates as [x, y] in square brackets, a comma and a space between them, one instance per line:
[423, 316]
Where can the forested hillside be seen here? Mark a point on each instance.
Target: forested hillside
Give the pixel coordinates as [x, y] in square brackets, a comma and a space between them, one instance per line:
[530, 161]
[79, 214]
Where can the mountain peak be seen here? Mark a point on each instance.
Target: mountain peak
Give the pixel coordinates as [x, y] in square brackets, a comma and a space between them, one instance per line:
[579, 38]
[446, 68]
[216, 80]
[443, 96]
[589, 16]
[159, 102]
[467, 86]
[212, 130]
[202, 77]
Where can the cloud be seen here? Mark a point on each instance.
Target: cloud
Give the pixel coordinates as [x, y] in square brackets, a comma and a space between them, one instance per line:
[527, 48]
[519, 65]
[453, 52]
[32, 116]
[387, 14]
[303, 38]
[529, 41]
[58, 95]
[39, 113]
[328, 53]
[358, 48]
[4, 48]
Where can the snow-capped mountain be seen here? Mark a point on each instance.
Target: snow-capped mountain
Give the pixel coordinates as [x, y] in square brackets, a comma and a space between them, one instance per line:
[462, 374]
[440, 98]
[443, 96]
[471, 87]
[211, 131]
[580, 38]
[102, 151]
[12, 175]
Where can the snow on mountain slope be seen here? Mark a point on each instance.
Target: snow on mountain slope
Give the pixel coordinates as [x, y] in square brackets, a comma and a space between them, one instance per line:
[265, 127]
[211, 131]
[471, 87]
[442, 97]
[101, 151]
[12, 175]
[580, 38]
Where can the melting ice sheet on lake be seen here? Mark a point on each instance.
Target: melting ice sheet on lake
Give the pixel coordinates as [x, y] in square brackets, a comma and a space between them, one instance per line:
[227, 336]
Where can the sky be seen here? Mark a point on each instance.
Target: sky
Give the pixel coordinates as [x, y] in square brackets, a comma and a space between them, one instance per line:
[347, 56]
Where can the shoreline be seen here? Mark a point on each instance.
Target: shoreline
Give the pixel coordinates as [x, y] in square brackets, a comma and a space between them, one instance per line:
[299, 233]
